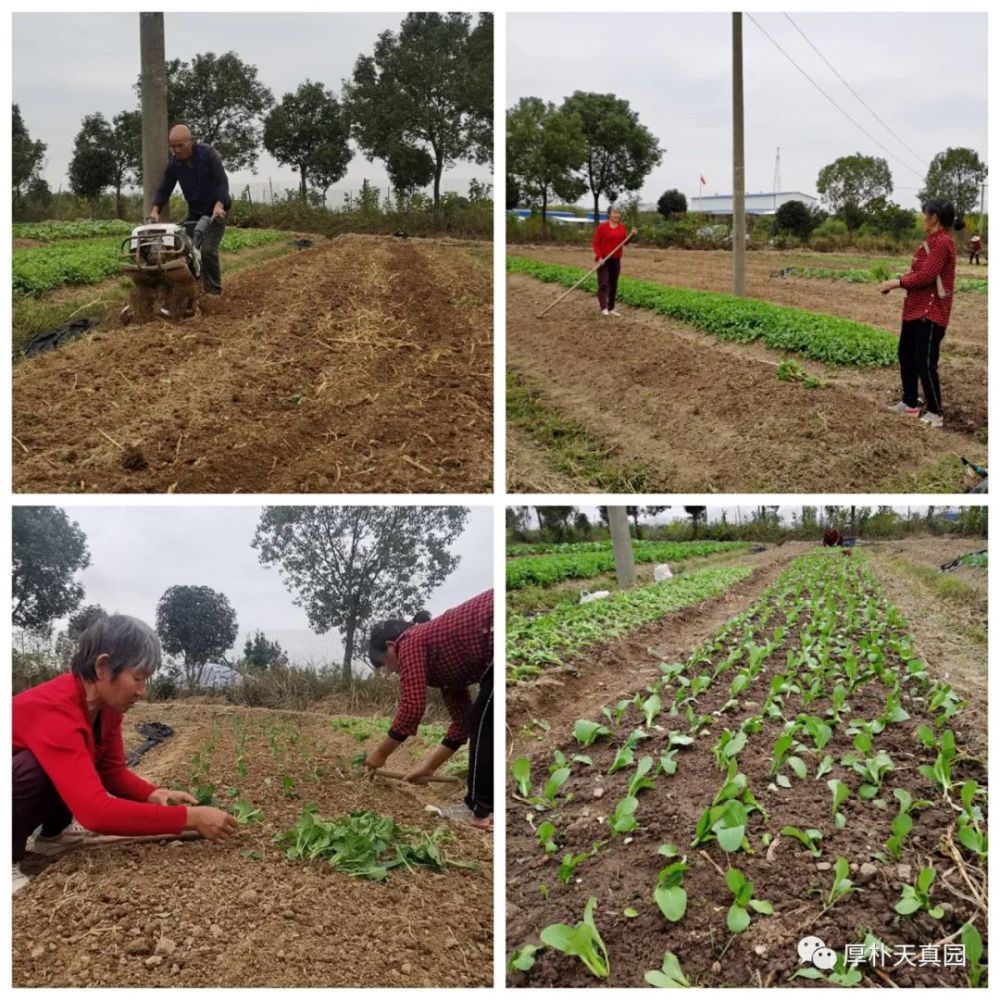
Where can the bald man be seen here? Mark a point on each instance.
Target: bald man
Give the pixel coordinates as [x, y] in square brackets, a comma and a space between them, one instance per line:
[199, 171]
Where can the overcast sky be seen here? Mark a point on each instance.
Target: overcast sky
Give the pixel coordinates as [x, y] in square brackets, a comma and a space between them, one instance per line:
[675, 70]
[66, 66]
[136, 553]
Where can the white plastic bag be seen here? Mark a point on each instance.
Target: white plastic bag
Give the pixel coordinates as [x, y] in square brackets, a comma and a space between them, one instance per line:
[661, 571]
[586, 596]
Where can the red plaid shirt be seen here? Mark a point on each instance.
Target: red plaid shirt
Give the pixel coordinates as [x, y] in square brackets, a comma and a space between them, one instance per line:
[922, 300]
[451, 653]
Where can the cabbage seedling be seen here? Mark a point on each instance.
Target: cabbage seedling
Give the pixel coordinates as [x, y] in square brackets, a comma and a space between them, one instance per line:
[918, 896]
[583, 940]
[586, 732]
[842, 886]
[808, 838]
[670, 895]
[623, 820]
[738, 918]
[546, 837]
[669, 975]
[521, 770]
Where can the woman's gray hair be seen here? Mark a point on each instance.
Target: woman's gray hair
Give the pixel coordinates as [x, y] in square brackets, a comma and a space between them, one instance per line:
[130, 644]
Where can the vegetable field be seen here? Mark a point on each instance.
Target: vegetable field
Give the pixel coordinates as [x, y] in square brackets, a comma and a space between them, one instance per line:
[547, 569]
[803, 778]
[363, 363]
[691, 389]
[267, 907]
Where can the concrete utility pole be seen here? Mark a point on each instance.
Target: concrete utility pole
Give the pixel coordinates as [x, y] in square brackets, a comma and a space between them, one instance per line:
[739, 182]
[153, 66]
[621, 542]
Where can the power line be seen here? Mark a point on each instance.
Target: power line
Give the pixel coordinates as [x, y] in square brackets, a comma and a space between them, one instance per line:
[857, 125]
[851, 89]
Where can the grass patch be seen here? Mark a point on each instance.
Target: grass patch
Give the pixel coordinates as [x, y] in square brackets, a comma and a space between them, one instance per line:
[943, 476]
[568, 446]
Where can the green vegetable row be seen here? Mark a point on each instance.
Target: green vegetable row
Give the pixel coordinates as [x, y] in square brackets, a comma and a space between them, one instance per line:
[49, 231]
[815, 335]
[38, 270]
[567, 629]
[859, 276]
[546, 570]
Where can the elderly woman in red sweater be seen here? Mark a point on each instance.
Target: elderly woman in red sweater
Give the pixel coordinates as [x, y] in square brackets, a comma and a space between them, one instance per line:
[69, 760]
[609, 239]
[930, 286]
[452, 653]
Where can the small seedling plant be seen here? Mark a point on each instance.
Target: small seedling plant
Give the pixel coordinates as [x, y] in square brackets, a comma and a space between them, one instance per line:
[841, 887]
[582, 941]
[669, 975]
[670, 895]
[738, 918]
[917, 897]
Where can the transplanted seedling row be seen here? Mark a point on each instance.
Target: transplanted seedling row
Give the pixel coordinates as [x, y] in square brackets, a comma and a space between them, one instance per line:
[817, 687]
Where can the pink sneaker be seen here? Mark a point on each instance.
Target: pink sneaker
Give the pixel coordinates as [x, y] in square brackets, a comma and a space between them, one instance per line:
[907, 411]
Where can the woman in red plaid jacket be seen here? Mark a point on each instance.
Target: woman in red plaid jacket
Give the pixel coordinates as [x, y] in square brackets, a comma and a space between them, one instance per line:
[930, 286]
[451, 653]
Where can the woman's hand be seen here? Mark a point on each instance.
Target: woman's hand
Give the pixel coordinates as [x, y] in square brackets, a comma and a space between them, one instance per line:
[419, 774]
[211, 823]
[169, 797]
[375, 760]
[888, 286]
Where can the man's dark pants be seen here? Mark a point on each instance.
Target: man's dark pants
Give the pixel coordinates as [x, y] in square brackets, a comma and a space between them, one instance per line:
[35, 803]
[211, 266]
[480, 783]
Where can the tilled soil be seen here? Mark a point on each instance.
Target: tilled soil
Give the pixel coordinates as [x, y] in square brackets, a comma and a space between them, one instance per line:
[706, 416]
[364, 365]
[623, 873]
[241, 914]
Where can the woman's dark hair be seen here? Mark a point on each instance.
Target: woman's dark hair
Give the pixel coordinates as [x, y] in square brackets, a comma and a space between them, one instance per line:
[389, 631]
[945, 212]
[128, 642]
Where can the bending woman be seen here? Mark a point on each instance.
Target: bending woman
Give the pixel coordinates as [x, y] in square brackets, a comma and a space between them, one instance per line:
[452, 653]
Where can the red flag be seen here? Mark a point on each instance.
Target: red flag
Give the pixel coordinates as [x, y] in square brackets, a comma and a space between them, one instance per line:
[703, 181]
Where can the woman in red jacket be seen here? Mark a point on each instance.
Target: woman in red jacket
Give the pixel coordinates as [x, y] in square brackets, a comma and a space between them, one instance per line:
[609, 239]
[69, 760]
[452, 653]
[930, 286]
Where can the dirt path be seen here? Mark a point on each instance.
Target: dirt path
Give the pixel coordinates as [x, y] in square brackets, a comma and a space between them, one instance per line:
[363, 365]
[711, 417]
[601, 675]
[241, 914]
[712, 271]
[950, 633]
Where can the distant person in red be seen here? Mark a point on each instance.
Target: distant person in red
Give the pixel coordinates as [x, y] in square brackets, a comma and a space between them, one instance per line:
[609, 238]
[69, 760]
[452, 653]
[975, 248]
[930, 287]
[831, 537]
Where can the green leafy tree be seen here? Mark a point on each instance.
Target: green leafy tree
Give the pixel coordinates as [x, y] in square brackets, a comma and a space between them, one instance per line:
[308, 132]
[697, 515]
[196, 623]
[478, 72]
[512, 193]
[853, 185]
[553, 522]
[794, 217]
[27, 154]
[621, 151]
[126, 149]
[92, 167]
[888, 217]
[544, 147]
[48, 549]
[350, 566]
[424, 87]
[260, 653]
[955, 175]
[223, 103]
[671, 203]
[409, 168]
[77, 624]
